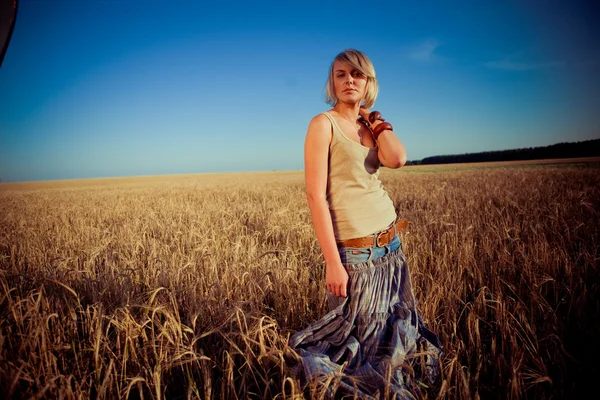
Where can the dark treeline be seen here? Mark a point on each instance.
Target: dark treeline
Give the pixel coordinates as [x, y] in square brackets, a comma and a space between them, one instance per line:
[587, 148]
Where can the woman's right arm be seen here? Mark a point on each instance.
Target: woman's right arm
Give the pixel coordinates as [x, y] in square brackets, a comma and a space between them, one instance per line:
[316, 156]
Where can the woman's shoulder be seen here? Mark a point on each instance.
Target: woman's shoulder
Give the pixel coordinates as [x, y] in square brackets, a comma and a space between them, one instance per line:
[325, 115]
[321, 126]
[322, 120]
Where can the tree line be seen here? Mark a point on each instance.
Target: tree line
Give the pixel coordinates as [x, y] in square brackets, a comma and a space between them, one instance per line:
[586, 148]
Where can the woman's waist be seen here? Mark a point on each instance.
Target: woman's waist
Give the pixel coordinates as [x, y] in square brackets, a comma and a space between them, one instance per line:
[357, 259]
[379, 238]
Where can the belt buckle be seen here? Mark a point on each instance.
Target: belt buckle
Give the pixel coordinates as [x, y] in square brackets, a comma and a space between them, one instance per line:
[379, 236]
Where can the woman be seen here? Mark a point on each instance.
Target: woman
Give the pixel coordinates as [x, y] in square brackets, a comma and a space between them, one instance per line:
[372, 326]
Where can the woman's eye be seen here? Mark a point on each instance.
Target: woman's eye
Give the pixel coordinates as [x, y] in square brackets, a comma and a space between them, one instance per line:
[357, 74]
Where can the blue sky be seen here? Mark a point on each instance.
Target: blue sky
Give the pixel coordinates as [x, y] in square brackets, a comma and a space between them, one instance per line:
[92, 88]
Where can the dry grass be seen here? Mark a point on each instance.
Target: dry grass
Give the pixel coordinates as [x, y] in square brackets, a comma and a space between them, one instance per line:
[189, 286]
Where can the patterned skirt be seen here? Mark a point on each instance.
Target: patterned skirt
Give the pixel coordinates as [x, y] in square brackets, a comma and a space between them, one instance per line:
[373, 343]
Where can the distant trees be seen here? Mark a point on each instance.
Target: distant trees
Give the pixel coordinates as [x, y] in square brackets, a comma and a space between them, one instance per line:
[587, 148]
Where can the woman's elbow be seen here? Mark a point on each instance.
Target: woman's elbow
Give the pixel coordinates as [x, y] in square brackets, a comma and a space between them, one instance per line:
[402, 161]
[395, 162]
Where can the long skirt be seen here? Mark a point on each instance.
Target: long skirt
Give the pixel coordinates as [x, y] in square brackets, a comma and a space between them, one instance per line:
[373, 343]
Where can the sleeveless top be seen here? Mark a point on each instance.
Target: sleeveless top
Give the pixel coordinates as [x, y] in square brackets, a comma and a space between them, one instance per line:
[358, 203]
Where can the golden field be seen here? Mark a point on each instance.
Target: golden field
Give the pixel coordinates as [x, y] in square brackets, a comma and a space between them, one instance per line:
[189, 286]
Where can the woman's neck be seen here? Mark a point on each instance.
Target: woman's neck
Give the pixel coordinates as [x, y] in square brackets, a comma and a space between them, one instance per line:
[347, 111]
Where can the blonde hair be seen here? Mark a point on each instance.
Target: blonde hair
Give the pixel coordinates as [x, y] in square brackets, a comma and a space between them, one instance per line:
[359, 61]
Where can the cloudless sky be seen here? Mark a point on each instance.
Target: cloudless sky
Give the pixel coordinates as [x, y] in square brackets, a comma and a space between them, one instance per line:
[96, 88]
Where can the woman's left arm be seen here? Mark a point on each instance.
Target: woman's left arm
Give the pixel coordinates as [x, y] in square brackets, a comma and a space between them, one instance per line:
[391, 151]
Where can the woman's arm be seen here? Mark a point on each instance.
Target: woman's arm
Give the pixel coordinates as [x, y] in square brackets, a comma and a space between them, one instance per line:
[316, 155]
[391, 151]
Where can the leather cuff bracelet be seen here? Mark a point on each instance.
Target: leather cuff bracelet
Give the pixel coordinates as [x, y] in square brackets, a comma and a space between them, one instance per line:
[384, 126]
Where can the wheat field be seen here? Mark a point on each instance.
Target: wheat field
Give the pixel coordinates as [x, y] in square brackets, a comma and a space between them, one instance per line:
[189, 286]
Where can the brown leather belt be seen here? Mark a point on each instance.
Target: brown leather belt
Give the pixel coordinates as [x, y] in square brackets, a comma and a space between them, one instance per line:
[379, 239]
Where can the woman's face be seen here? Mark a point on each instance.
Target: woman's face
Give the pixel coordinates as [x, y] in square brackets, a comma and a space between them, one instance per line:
[350, 84]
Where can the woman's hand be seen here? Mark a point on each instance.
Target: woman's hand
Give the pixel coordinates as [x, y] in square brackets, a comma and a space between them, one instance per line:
[336, 278]
[364, 113]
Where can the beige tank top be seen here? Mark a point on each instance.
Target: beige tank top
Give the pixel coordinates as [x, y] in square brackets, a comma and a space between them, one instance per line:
[358, 203]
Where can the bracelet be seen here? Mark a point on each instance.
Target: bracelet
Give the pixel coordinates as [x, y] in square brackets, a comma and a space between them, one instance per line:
[384, 126]
[374, 116]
